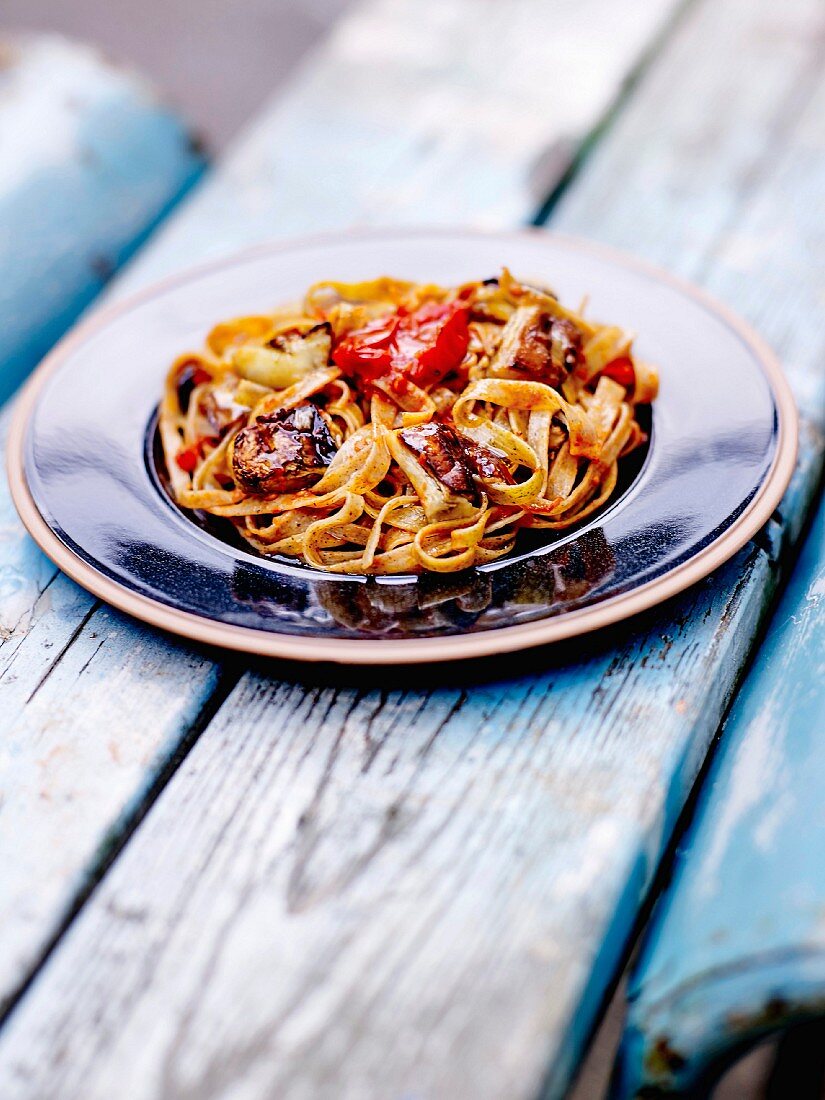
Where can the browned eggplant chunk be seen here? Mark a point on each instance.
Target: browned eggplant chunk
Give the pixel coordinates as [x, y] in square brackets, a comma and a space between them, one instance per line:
[457, 462]
[565, 346]
[285, 359]
[222, 411]
[540, 345]
[439, 449]
[487, 464]
[283, 451]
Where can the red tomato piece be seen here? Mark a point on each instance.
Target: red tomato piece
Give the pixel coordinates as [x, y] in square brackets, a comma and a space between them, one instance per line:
[422, 346]
[621, 371]
[188, 459]
[367, 350]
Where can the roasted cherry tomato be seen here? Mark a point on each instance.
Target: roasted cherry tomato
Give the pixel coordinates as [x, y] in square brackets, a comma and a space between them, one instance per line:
[368, 350]
[621, 371]
[422, 346]
[188, 459]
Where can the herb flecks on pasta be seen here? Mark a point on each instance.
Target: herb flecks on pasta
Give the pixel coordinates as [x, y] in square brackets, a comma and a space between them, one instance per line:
[394, 427]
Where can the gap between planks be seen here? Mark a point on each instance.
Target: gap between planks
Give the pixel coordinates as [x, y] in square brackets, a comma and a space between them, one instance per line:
[117, 837]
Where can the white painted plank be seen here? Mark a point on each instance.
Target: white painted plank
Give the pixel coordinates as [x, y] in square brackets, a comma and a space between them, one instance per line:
[282, 178]
[731, 184]
[446, 111]
[427, 893]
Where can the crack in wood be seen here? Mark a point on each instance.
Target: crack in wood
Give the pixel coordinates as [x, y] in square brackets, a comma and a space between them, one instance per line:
[116, 840]
[64, 650]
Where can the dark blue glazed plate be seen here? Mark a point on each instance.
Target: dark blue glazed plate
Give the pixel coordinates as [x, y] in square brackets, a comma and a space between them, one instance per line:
[87, 482]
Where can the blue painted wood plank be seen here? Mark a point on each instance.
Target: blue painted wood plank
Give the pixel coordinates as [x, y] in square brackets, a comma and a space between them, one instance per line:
[426, 890]
[736, 947]
[91, 162]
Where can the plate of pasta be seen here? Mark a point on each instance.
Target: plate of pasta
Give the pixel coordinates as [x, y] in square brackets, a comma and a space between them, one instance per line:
[401, 447]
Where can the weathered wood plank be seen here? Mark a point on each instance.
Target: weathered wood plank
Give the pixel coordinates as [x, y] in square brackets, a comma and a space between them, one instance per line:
[736, 948]
[92, 711]
[428, 113]
[732, 189]
[427, 892]
[264, 189]
[392, 824]
[91, 161]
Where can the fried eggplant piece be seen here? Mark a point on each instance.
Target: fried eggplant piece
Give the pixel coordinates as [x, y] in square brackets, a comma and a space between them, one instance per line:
[487, 464]
[565, 346]
[283, 451]
[286, 358]
[439, 449]
[222, 410]
[458, 463]
[538, 344]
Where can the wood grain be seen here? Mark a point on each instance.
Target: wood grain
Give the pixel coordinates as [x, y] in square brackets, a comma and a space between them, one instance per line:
[268, 186]
[91, 712]
[377, 893]
[427, 892]
[205, 80]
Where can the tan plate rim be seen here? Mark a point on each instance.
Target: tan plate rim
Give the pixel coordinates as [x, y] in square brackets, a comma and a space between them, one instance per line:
[419, 650]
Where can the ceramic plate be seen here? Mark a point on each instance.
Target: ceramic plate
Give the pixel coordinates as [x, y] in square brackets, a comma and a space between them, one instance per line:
[85, 479]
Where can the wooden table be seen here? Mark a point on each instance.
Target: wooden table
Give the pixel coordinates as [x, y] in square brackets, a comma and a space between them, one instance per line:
[223, 879]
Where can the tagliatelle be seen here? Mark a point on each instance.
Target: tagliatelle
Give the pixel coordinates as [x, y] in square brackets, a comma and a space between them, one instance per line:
[393, 427]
